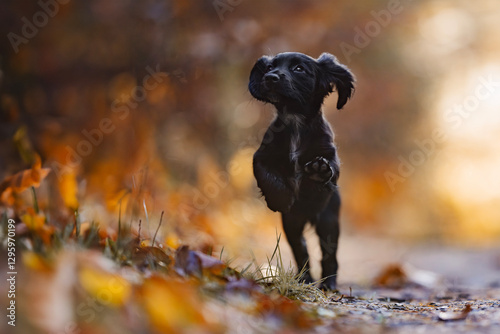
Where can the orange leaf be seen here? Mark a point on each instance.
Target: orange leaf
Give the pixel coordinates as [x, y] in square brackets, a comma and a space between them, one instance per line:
[33, 221]
[392, 276]
[172, 241]
[108, 288]
[286, 310]
[23, 179]
[7, 196]
[172, 306]
[68, 188]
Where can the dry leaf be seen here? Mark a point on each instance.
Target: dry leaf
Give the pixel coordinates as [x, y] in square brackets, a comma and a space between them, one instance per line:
[285, 310]
[144, 255]
[393, 276]
[243, 285]
[172, 241]
[450, 315]
[108, 288]
[68, 187]
[35, 222]
[172, 306]
[26, 178]
[211, 264]
[36, 262]
[188, 262]
[106, 232]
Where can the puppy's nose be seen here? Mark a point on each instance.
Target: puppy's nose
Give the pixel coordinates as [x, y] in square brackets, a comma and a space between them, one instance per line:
[272, 78]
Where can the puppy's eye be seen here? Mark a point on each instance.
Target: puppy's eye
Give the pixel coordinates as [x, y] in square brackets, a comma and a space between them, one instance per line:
[298, 68]
[269, 68]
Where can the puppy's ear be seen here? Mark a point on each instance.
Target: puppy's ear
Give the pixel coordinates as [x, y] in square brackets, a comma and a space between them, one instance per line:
[258, 71]
[333, 74]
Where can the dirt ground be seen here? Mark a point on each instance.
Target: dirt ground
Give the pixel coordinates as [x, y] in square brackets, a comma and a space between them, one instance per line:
[416, 310]
[387, 286]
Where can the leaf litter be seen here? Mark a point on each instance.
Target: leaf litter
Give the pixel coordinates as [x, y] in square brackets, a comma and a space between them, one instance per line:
[94, 278]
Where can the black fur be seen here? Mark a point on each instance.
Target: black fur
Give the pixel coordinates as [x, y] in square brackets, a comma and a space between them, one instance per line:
[296, 166]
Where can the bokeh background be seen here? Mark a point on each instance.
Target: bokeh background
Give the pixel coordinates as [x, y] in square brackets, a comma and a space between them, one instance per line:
[140, 107]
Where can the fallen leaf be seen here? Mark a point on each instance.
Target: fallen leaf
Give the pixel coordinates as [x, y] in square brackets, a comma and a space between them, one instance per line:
[210, 264]
[450, 315]
[36, 262]
[172, 306]
[172, 241]
[187, 262]
[243, 285]
[6, 195]
[26, 178]
[194, 263]
[106, 232]
[108, 288]
[392, 276]
[22, 180]
[284, 310]
[68, 188]
[35, 222]
[148, 255]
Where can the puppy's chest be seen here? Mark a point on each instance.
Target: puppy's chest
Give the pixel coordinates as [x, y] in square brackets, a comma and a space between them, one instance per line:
[295, 146]
[302, 147]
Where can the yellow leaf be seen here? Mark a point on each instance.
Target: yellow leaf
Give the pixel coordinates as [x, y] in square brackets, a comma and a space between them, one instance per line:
[172, 241]
[108, 288]
[33, 221]
[35, 261]
[172, 306]
[68, 187]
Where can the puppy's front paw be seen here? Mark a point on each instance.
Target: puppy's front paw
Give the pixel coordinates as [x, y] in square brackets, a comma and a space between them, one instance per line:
[319, 170]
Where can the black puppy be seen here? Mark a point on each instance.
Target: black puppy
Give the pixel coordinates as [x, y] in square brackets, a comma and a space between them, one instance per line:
[296, 166]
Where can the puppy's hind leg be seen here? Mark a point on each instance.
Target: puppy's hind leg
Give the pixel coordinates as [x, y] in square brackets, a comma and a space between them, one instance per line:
[293, 225]
[327, 228]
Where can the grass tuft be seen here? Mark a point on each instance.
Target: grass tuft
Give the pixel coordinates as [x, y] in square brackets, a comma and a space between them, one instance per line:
[276, 277]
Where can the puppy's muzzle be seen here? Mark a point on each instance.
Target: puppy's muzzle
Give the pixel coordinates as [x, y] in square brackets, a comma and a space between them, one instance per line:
[271, 77]
[270, 80]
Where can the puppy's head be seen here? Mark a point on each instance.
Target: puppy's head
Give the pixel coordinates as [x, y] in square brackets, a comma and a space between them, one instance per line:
[291, 77]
